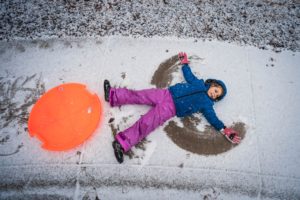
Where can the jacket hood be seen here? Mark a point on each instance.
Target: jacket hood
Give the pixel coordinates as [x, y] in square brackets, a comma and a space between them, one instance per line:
[208, 82]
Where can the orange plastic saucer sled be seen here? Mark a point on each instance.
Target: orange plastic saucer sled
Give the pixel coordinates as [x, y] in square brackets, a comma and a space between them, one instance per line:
[65, 116]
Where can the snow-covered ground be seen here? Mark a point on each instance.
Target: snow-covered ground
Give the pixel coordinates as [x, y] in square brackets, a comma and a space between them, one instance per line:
[252, 45]
[263, 96]
[261, 23]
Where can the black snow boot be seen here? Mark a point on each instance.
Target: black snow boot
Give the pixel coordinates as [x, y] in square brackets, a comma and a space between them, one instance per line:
[118, 151]
[106, 90]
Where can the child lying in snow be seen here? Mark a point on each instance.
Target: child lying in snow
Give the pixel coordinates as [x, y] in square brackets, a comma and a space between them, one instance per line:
[182, 99]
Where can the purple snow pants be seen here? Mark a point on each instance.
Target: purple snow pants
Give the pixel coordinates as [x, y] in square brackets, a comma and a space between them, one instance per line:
[163, 108]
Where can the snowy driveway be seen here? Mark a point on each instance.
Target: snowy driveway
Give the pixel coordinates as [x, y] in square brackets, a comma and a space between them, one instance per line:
[263, 96]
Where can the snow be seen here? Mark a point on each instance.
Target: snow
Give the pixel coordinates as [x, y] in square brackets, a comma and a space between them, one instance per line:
[264, 24]
[266, 98]
[253, 46]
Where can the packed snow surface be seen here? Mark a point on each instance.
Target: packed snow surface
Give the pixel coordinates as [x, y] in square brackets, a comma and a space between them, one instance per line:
[264, 24]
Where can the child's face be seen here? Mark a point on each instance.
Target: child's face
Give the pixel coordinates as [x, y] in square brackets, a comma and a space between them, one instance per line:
[214, 92]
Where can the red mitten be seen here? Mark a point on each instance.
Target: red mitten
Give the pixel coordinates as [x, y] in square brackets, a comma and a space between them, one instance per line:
[231, 135]
[183, 58]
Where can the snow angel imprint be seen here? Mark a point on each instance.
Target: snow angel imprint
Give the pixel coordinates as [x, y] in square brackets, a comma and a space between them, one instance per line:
[181, 100]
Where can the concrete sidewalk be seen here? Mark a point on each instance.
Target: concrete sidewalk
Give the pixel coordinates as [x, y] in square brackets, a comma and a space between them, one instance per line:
[263, 95]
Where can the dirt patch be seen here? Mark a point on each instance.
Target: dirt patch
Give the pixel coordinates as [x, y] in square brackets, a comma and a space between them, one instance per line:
[91, 194]
[44, 44]
[14, 152]
[189, 137]
[20, 48]
[207, 142]
[123, 75]
[17, 95]
[163, 75]
[4, 139]
[68, 44]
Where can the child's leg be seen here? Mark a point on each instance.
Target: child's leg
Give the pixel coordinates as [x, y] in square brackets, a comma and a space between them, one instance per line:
[122, 96]
[148, 122]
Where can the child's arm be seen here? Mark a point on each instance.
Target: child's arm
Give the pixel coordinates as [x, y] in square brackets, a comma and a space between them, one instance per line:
[186, 70]
[212, 118]
[188, 74]
[228, 133]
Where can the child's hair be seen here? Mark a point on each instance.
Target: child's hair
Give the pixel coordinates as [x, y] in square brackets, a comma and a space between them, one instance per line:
[217, 83]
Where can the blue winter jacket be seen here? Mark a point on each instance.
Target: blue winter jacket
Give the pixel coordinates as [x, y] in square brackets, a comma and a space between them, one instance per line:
[192, 97]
